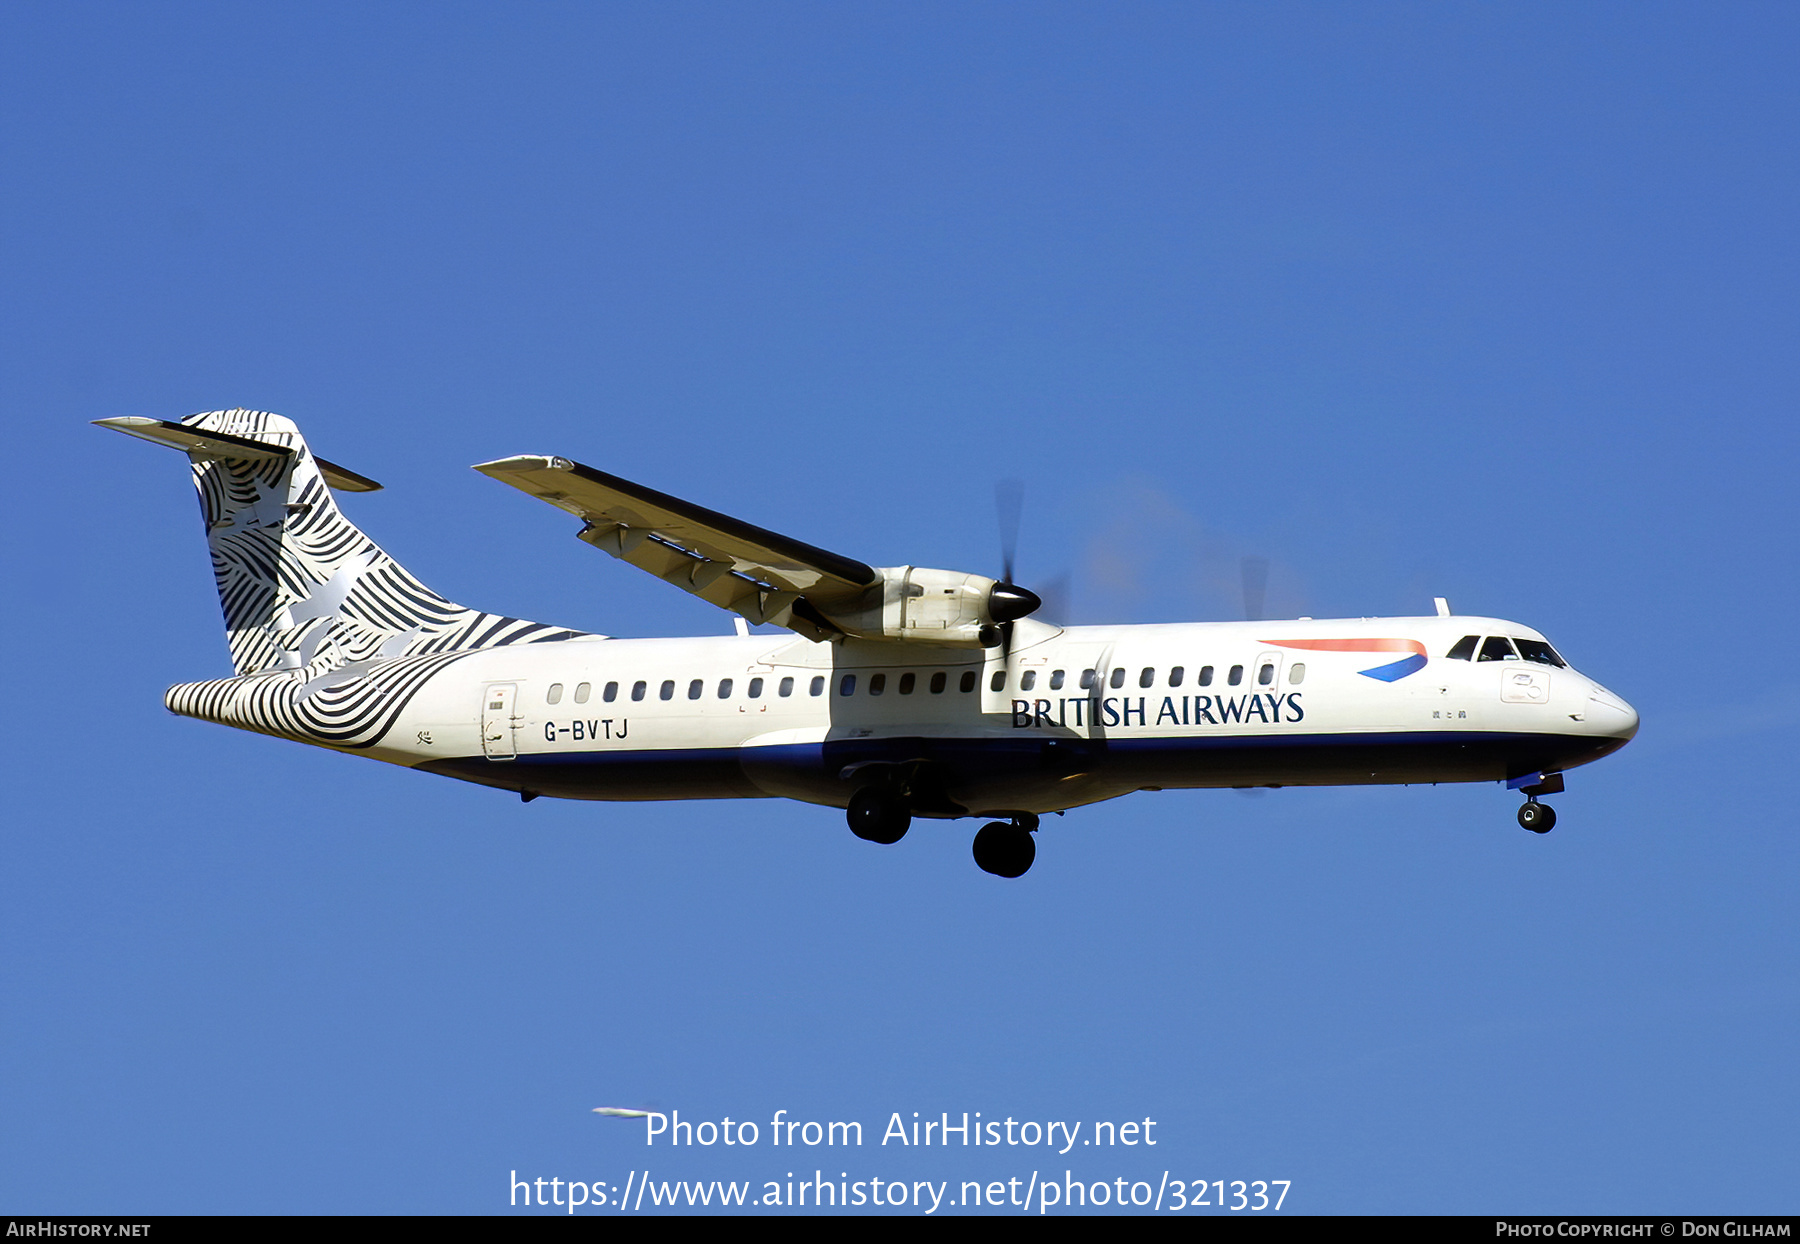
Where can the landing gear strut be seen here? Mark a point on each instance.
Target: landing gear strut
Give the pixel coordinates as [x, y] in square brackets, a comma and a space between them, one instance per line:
[1539, 818]
[877, 816]
[1005, 848]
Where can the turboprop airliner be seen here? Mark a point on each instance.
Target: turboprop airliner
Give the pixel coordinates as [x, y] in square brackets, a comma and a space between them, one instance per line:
[895, 692]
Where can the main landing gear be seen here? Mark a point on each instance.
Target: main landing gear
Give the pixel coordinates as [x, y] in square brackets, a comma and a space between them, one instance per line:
[877, 816]
[1005, 848]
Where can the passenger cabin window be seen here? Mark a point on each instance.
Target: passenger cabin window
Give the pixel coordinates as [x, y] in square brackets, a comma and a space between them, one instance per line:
[756, 688]
[785, 688]
[1056, 680]
[1296, 673]
[938, 683]
[1265, 677]
[724, 688]
[667, 690]
[878, 684]
[1118, 678]
[907, 682]
[1464, 649]
[610, 693]
[1147, 678]
[554, 695]
[1206, 673]
[1027, 680]
[1498, 648]
[968, 682]
[1175, 675]
[1087, 680]
[817, 686]
[1236, 676]
[998, 681]
[1540, 652]
[695, 688]
[638, 689]
[583, 692]
[847, 685]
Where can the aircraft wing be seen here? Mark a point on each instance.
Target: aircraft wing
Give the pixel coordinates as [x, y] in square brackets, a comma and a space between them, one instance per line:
[762, 575]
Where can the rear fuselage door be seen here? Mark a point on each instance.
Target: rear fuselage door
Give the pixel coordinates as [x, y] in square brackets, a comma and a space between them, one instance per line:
[498, 720]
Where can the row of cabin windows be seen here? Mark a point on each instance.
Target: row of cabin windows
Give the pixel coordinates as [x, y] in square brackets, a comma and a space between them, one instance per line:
[696, 688]
[908, 682]
[1265, 677]
[1090, 680]
[1501, 648]
[938, 683]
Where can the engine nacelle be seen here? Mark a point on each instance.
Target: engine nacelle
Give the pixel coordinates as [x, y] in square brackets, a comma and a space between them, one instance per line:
[935, 607]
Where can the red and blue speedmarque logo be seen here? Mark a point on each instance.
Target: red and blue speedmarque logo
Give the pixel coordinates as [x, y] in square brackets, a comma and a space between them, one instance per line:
[1392, 672]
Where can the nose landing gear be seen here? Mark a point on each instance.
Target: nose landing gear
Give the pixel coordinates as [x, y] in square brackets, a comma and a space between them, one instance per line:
[1006, 849]
[1539, 818]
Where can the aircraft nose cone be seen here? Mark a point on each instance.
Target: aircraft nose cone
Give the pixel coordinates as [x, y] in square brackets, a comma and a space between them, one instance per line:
[1611, 714]
[1008, 602]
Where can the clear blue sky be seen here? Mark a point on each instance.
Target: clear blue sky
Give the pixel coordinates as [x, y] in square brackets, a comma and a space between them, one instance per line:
[1491, 302]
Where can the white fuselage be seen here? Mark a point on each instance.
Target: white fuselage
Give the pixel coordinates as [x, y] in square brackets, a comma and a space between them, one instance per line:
[1072, 716]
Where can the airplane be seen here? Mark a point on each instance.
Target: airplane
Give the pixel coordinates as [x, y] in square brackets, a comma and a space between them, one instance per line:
[895, 692]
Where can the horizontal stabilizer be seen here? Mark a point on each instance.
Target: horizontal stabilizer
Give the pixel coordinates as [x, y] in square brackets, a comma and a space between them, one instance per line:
[202, 443]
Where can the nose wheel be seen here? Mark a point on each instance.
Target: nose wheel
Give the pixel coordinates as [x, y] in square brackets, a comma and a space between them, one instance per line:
[1006, 848]
[1539, 818]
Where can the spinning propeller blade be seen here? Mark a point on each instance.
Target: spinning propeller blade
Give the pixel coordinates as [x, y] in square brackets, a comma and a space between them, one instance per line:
[1007, 601]
[1256, 587]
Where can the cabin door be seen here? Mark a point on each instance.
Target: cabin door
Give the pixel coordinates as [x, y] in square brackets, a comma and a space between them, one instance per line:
[499, 721]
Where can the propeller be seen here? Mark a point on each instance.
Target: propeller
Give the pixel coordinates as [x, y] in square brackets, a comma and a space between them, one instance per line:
[1007, 602]
[1256, 587]
[1009, 505]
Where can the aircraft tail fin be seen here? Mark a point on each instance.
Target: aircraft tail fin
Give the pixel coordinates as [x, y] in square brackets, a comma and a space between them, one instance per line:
[301, 587]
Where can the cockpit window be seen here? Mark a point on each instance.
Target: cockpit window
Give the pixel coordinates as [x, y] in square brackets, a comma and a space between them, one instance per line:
[1541, 652]
[1465, 648]
[1498, 648]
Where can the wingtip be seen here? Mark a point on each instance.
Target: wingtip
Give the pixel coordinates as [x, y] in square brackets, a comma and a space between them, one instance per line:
[522, 462]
